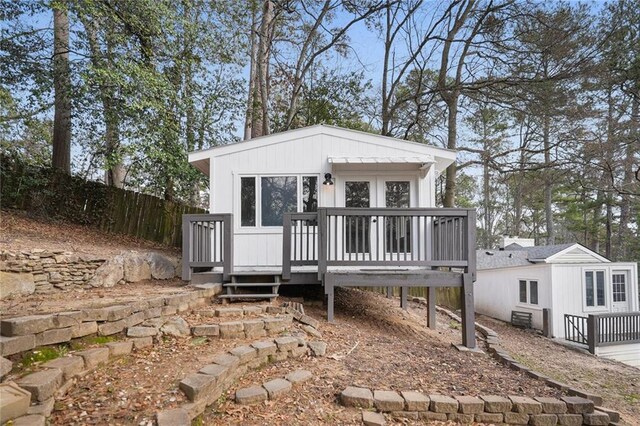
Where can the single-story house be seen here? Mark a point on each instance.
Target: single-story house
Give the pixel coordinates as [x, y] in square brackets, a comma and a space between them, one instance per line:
[565, 278]
[323, 205]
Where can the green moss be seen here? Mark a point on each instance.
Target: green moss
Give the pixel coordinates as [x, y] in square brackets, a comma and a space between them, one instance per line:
[82, 343]
[198, 421]
[455, 325]
[41, 355]
[198, 341]
[631, 397]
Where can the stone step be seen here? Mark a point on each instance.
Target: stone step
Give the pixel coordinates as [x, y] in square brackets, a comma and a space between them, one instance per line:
[248, 296]
[250, 285]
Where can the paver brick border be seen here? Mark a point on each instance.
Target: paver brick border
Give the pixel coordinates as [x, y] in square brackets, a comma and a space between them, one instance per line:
[501, 355]
[512, 409]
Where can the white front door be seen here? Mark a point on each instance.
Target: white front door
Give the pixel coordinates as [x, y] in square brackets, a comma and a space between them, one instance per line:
[620, 288]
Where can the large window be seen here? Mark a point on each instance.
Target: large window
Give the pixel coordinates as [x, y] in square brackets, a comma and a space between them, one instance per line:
[528, 291]
[594, 288]
[275, 196]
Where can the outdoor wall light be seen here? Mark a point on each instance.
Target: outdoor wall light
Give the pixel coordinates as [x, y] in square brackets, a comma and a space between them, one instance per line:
[328, 179]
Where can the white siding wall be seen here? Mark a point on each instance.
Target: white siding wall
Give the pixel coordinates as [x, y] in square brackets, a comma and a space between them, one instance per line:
[576, 256]
[497, 292]
[629, 354]
[307, 155]
[568, 291]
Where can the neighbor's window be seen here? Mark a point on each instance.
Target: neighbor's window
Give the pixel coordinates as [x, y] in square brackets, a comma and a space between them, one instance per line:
[523, 291]
[594, 288]
[618, 282]
[279, 195]
[248, 201]
[528, 291]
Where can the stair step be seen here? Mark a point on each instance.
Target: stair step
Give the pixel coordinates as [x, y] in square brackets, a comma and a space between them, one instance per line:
[250, 284]
[248, 296]
[249, 273]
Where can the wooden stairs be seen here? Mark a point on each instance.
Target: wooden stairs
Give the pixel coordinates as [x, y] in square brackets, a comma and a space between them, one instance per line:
[251, 285]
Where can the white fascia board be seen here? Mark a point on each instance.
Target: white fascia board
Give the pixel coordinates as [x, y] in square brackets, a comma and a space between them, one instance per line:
[568, 249]
[443, 157]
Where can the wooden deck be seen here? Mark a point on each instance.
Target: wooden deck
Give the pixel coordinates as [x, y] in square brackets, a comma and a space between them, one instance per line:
[350, 247]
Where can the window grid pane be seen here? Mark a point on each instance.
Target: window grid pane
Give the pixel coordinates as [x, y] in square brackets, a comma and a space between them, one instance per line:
[523, 292]
[600, 288]
[533, 293]
[619, 288]
[279, 195]
[309, 193]
[248, 201]
[588, 277]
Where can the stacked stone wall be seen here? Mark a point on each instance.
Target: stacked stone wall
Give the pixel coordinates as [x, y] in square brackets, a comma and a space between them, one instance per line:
[39, 271]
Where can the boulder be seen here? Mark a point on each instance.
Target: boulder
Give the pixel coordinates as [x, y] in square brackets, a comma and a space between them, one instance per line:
[161, 266]
[16, 284]
[177, 327]
[109, 274]
[136, 267]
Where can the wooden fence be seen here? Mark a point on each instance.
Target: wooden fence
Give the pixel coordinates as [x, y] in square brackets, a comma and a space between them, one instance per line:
[46, 193]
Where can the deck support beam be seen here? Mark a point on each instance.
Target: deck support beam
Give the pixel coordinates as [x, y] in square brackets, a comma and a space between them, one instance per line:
[468, 313]
[404, 291]
[389, 292]
[329, 290]
[431, 304]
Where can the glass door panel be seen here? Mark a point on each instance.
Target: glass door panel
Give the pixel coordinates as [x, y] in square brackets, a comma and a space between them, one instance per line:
[397, 229]
[357, 229]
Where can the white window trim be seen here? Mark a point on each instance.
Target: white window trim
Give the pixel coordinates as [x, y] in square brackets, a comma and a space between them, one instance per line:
[258, 228]
[528, 304]
[607, 290]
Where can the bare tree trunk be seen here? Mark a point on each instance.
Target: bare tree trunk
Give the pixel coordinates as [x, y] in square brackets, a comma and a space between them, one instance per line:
[625, 203]
[548, 181]
[261, 124]
[114, 171]
[452, 132]
[251, 98]
[486, 192]
[62, 87]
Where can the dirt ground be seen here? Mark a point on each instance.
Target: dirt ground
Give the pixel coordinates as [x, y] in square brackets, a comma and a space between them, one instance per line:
[617, 383]
[373, 343]
[19, 231]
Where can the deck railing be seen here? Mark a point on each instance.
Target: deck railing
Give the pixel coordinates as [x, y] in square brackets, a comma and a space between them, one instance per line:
[603, 329]
[207, 242]
[379, 237]
[575, 329]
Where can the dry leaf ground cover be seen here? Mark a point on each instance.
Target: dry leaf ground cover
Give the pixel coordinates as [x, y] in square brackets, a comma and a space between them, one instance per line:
[373, 343]
[618, 383]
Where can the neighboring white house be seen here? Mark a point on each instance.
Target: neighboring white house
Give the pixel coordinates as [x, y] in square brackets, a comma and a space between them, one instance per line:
[566, 278]
[261, 179]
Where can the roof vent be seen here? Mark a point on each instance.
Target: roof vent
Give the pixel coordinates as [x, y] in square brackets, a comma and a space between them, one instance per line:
[490, 253]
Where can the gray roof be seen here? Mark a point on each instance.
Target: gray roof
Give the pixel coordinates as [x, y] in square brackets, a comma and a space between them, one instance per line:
[544, 252]
[516, 255]
[492, 259]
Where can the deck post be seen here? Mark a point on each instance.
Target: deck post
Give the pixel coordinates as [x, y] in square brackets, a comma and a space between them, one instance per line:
[592, 333]
[468, 313]
[186, 248]
[431, 303]
[322, 242]
[330, 292]
[546, 322]
[286, 247]
[389, 292]
[227, 267]
[404, 291]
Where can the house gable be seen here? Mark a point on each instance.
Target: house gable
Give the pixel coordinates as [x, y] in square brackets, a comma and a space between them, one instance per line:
[576, 254]
[388, 147]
